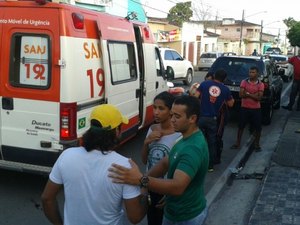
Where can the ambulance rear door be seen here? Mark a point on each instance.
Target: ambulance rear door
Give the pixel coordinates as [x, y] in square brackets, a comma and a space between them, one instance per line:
[29, 85]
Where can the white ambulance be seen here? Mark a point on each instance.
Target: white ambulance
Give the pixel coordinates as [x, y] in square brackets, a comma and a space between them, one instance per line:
[57, 62]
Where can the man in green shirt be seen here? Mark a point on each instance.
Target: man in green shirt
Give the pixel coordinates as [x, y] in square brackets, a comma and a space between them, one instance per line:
[187, 164]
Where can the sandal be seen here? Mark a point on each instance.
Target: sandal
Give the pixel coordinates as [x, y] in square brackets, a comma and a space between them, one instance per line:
[257, 149]
[235, 146]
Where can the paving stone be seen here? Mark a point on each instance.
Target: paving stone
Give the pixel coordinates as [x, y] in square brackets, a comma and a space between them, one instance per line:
[279, 200]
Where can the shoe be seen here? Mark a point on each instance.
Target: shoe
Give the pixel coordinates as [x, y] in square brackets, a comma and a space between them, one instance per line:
[297, 131]
[257, 149]
[287, 107]
[210, 170]
[235, 146]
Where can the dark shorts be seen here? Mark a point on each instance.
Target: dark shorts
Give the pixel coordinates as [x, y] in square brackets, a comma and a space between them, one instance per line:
[251, 116]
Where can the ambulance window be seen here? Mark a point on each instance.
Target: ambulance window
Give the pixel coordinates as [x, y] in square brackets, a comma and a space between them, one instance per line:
[122, 62]
[158, 62]
[29, 62]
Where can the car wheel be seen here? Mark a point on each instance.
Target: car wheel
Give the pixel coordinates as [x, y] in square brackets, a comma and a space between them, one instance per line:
[189, 77]
[267, 113]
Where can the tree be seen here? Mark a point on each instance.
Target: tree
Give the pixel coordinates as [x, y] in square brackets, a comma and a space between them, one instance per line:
[180, 13]
[289, 22]
[294, 34]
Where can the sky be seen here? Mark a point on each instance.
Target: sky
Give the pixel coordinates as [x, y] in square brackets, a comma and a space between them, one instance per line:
[268, 12]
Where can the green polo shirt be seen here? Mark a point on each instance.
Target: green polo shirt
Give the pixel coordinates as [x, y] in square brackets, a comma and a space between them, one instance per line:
[189, 155]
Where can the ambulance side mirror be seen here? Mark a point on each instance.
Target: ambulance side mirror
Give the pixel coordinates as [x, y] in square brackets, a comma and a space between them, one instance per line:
[169, 73]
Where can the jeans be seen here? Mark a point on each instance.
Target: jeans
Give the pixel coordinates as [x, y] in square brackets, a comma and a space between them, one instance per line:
[295, 90]
[208, 126]
[198, 220]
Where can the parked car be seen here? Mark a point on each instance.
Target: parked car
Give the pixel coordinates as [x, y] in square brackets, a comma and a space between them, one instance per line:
[183, 69]
[237, 68]
[207, 59]
[273, 50]
[287, 69]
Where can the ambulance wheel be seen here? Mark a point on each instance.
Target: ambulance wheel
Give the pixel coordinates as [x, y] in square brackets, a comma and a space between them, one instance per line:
[189, 78]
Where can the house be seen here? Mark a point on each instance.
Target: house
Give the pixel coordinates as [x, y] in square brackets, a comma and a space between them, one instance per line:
[239, 36]
[190, 40]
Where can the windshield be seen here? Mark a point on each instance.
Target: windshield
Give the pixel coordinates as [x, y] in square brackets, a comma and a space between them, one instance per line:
[209, 55]
[278, 58]
[237, 68]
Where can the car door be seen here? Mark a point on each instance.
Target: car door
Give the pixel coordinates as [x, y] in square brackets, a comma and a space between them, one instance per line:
[180, 70]
[169, 60]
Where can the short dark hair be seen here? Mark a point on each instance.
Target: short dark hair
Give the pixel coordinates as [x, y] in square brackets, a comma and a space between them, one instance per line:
[254, 68]
[166, 97]
[220, 75]
[99, 138]
[209, 74]
[192, 105]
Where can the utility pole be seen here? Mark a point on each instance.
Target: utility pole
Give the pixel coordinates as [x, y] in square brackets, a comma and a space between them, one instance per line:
[260, 37]
[278, 37]
[241, 33]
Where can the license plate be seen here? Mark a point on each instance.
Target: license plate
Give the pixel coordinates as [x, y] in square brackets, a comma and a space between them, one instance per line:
[234, 88]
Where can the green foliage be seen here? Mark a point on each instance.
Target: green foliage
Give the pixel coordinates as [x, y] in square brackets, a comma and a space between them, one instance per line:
[180, 13]
[289, 22]
[294, 34]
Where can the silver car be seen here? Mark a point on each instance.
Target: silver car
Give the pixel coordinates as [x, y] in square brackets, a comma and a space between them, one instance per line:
[207, 59]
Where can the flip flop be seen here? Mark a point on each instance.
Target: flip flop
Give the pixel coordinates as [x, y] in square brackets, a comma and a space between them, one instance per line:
[235, 146]
[257, 149]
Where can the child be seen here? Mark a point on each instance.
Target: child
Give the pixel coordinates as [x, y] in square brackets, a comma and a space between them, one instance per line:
[159, 140]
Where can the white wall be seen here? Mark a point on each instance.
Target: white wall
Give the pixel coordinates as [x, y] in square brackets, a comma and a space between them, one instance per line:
[190, 31]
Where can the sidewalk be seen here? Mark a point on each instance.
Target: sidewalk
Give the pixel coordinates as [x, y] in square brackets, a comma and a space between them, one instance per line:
[279, 200]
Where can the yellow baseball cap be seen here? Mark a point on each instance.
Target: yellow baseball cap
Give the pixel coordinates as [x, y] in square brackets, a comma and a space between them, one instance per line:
[108, 115]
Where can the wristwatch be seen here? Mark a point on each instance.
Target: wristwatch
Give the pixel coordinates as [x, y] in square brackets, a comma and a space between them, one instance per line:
[144, 181]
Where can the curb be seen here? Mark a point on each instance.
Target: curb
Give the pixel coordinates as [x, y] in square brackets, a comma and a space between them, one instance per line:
[235, 165]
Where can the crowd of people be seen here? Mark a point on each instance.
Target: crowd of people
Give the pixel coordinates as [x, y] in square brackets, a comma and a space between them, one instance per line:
[183, 144]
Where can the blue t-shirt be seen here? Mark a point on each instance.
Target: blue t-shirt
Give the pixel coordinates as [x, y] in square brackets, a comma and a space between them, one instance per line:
[213, 95]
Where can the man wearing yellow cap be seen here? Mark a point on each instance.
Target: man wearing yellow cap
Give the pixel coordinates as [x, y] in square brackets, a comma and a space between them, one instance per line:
[91, 197]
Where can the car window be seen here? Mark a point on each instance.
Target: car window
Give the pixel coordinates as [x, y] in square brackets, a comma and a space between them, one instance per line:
[208, 55]
[168, 55]
[237, 68]
[278, 58]
[176, 56]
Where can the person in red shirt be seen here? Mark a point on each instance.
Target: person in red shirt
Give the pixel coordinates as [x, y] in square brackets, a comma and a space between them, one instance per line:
[295, 61]
[251, 92]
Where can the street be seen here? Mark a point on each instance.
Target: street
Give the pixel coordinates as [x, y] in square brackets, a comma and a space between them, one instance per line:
[20, 193]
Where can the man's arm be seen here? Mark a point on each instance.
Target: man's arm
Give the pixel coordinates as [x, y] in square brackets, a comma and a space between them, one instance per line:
[49, 202]
[174, 186]
[256, 96]
[230, 102]
[136, 208]
[159, 169]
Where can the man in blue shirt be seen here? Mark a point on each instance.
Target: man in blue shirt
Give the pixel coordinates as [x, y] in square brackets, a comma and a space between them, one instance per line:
[214, 96]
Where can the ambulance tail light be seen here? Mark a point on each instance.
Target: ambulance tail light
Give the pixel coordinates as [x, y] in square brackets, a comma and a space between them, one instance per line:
[146, 32]
[78, 21]
[68, 112]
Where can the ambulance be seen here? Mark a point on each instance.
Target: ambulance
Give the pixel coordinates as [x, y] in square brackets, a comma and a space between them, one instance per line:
[57, 62]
